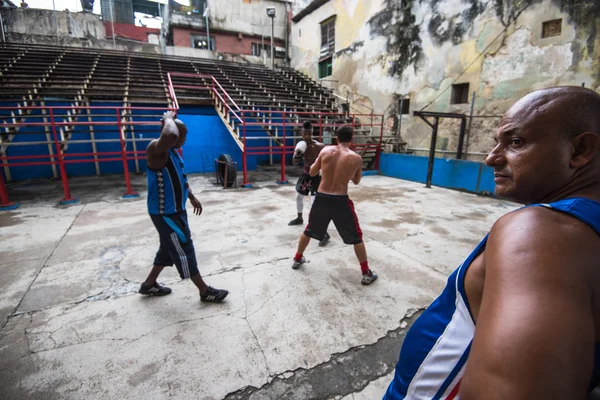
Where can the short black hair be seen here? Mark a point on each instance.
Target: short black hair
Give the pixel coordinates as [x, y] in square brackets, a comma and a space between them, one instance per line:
[344, 134]
[307, 126]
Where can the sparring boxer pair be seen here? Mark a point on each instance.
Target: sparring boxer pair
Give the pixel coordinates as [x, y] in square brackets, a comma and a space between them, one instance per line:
[338, 166]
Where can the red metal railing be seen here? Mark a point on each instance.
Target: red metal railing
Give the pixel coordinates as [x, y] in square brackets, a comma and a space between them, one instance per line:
[275, 120]
[237, 119]
[62, 158]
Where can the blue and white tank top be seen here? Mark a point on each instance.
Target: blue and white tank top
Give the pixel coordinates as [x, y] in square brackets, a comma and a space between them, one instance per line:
[167, 187]
[435, 350]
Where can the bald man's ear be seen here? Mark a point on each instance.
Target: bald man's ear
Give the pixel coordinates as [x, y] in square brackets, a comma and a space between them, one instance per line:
[586, 147]
[181, 126]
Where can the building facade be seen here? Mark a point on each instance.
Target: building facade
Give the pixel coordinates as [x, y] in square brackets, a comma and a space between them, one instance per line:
[239, 27]
[449, 56]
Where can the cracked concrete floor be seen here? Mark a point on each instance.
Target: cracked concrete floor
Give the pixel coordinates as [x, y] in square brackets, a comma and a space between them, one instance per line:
[73, 326]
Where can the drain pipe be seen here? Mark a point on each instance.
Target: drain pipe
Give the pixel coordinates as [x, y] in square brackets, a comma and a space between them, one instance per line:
[470, 122]
[2, 29]
[287, 33]
[55, 22]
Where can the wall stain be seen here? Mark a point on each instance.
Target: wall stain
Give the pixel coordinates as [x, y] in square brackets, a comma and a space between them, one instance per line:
[398, 24]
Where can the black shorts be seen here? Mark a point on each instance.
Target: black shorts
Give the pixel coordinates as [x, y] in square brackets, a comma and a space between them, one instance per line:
[176, 246]
[340, 209]
[308, 184]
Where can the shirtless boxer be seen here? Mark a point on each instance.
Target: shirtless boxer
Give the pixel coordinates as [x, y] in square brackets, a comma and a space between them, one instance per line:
[308, 150]
[338, 165]
[520, 318]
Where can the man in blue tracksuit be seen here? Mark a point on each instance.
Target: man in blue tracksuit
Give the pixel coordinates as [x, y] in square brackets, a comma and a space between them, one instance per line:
[168, 192]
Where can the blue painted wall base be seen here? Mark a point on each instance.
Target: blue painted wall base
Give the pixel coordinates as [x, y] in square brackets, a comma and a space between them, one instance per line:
[9, 206]
[469, 176]
[370, 173]
[207, 139]
[131, 196]
[66, 202]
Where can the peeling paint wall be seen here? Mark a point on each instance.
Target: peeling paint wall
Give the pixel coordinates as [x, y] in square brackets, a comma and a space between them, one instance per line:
[390, 49]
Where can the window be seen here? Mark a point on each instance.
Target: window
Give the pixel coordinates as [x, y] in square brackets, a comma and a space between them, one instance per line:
[326, 67]
[198, 6]
[200, 42]
[552, 28]
[404, 106]
[460, 93]
[327, 38]
[256, 48]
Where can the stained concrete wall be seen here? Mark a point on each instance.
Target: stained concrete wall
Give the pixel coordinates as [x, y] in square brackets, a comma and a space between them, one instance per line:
[388, 49]
[37, 26]
[249, 18]
[224, 42]
[41, 22]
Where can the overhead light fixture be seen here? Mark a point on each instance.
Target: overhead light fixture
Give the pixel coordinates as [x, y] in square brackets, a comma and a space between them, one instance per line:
[189, 13]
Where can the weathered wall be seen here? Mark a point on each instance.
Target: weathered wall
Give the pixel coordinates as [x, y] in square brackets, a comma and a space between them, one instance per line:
[41, 22]
[37, 26]
[93, 43]
[224, 42]
[130, 31]
[386, 49]
[213, 55]
[238, 16]
[299, 5]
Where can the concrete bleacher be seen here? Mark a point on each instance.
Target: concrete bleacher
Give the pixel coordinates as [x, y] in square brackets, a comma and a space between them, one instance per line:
[41, 72]
[34, 75]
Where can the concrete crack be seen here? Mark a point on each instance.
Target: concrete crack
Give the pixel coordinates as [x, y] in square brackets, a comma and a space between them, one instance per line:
[250, 326]
[275, 294]
[175, 323]
[351, 370]
[391, 247]
[261, 350]
[43, 266]
[223, 270]
[9, 365]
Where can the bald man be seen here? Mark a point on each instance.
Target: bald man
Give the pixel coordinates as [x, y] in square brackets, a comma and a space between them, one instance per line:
[520, 318]
[168, 192]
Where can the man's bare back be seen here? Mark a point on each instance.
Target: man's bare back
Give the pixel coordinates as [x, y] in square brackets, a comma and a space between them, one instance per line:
[339, 165]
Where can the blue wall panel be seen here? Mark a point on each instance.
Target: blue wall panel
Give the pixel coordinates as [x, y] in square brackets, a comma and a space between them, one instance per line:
[410, 168]
[207, 139]
[30, 134]
[455, 174]
[486, 182]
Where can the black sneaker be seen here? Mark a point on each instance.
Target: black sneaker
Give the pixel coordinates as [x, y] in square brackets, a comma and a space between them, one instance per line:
[325, 240]
[213, 295]
[368, 278]
[298, 263]
[297, 221]
[154, 290]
